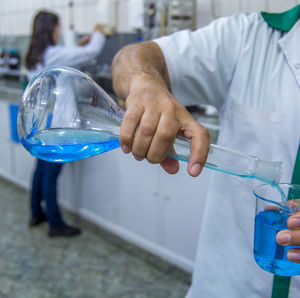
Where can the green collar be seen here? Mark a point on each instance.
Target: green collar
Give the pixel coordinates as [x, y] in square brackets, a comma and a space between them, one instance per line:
[283, 21]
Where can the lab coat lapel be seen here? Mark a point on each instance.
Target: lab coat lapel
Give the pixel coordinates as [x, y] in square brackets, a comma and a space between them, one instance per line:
[290, 45]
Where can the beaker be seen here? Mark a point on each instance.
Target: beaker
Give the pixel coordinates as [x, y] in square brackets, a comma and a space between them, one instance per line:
[271, 217]
[65, 116]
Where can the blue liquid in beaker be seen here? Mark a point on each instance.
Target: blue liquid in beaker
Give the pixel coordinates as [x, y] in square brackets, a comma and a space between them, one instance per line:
[69, 144]
[282, 194]
[268, 254]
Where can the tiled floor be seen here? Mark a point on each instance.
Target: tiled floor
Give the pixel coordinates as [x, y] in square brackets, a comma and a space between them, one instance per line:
[96, 264]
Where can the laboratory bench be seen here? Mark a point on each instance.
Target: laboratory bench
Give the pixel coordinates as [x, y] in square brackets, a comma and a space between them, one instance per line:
[137, 201]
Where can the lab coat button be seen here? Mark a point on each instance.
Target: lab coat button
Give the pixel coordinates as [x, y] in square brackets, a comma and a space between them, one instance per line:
[297, 65]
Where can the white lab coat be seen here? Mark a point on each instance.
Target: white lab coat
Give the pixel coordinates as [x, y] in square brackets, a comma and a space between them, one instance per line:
[65, 112]
[251, 73]
[58, 55]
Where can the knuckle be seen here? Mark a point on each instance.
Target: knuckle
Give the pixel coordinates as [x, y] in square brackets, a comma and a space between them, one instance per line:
[132, 116]
[147, 129]
[203, 132]
[166, 135]
[133, 113]
[125, 138]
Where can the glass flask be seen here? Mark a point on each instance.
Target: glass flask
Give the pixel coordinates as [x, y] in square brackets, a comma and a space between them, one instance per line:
[65, 116]
[271, 217]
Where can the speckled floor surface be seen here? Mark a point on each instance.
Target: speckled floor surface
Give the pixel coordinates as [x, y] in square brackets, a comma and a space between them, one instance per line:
[96, 264]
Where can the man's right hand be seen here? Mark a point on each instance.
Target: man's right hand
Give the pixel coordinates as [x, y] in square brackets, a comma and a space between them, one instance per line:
[153, 116]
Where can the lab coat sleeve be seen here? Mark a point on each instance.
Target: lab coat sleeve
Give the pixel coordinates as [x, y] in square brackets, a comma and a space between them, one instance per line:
[201, 63]
[76, 55]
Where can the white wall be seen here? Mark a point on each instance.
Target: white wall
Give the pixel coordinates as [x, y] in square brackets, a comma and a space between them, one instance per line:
[16, 15]
[207, 10]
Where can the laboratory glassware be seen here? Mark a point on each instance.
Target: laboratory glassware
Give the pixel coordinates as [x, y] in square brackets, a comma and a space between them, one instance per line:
[65, 116]
[271, 217]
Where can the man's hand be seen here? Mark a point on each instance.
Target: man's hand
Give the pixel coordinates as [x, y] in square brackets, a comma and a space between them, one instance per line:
[152, 120]
[153, 116]
[291, 237]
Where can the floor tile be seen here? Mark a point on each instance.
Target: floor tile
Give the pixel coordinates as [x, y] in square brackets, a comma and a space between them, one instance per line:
[96, 264]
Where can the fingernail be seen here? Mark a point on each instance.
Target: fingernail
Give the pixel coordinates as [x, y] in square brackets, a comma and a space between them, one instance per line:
[125, 149]
[293, 256]
[294, 222]
[284, 238]
[138, 158]
[195, 169]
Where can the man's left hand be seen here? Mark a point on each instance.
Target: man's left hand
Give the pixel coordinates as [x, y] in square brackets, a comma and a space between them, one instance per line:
[291, 237]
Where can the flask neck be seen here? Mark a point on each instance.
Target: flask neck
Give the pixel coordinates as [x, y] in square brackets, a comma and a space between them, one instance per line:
[232, 162]
[268, 171]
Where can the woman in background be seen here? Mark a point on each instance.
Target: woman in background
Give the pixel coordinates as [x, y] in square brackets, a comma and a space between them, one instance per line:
[44, 52]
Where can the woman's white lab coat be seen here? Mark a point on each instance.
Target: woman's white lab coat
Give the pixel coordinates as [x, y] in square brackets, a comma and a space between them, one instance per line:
[58, 55]
[251, 73]
[65, 105]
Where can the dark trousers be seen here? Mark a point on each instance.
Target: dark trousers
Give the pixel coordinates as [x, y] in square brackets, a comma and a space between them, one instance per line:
[44, 188]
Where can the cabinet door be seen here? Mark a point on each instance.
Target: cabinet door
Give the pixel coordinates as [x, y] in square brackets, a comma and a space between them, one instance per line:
[139, 197]
[183, 203]
[23, 164]
[70, 185]
[113, 188]
[100, 178]
[5, 144]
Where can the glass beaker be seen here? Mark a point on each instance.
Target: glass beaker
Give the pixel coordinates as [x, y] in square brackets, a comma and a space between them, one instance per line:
[271, 217]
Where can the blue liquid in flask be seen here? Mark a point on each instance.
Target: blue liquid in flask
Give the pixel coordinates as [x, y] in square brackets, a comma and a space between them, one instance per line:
[268, 254]
[69, 144]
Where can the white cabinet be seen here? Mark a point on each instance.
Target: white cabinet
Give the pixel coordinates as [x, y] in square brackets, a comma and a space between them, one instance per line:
[183, 202]
[138, 201]
[23, 165]
[99, 185]
[139, 197]
[91, 187]
[5, 156]
[69, 186]
[16, 164]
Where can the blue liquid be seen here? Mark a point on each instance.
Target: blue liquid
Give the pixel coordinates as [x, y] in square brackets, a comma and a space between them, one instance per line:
[268, 254]
[283, 196]
[65, 145]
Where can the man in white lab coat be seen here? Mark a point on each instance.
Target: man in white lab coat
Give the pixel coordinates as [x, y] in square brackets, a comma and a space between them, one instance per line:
[248, 67]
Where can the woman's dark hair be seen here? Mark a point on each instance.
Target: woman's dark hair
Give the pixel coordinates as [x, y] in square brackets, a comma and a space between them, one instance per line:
[44, 25]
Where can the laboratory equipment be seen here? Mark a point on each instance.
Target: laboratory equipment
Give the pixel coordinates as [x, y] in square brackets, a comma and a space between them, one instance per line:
[3, 58]
[271, 217]
[65, 116]
[166, 17]
[14, 59]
